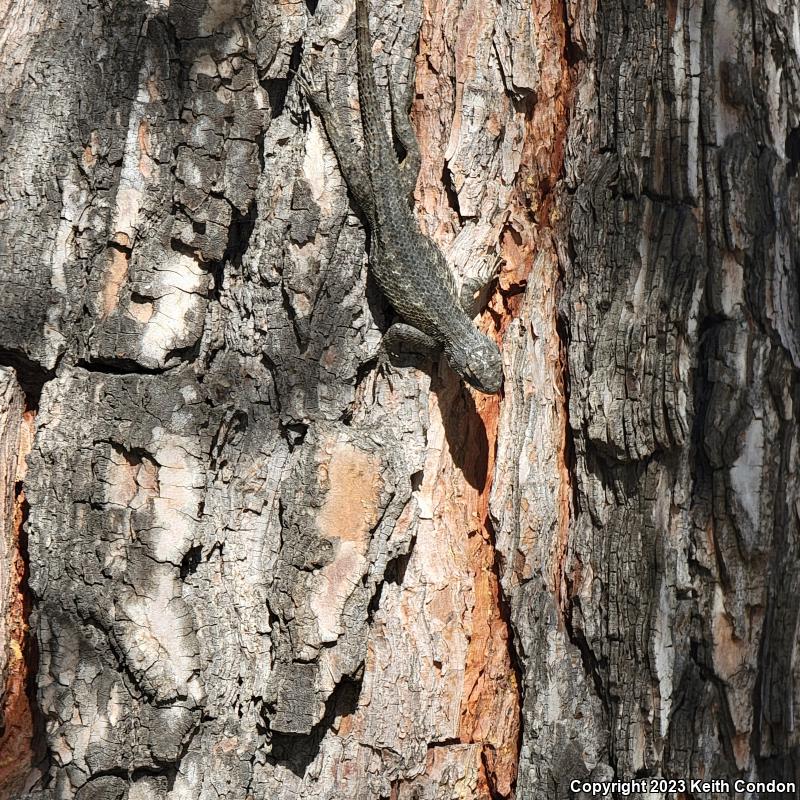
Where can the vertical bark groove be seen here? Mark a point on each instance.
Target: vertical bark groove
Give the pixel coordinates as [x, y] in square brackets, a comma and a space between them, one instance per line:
[17, 662]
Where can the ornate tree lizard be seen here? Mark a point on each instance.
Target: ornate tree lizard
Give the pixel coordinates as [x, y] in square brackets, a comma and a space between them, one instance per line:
[409, 269]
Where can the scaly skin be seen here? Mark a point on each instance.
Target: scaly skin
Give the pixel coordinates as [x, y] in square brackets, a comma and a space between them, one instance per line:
[409, 269]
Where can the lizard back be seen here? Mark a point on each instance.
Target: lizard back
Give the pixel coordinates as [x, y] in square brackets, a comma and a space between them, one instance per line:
[408, 268]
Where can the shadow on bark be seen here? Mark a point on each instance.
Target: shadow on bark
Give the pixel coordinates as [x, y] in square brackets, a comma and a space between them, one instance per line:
[296, 752]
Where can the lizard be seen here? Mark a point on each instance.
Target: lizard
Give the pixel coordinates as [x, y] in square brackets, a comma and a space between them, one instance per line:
[407, 266]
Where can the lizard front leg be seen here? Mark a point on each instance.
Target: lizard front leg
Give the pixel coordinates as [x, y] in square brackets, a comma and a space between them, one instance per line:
[404, 340]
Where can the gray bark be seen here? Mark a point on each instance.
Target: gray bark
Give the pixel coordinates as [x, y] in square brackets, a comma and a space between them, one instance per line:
[260, 569]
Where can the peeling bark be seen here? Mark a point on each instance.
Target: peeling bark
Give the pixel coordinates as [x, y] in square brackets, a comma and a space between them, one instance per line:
[257, 568]
[16, 723]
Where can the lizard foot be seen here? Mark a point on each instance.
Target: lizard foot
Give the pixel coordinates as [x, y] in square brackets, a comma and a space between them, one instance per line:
[383, 368]
[402, 340]
[316, 95]
[474, 291]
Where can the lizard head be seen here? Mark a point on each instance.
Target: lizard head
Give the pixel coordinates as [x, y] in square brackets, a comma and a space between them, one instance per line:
[477, 360]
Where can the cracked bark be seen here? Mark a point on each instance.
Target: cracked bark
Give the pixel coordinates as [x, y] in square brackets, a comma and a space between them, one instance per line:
[255, 568]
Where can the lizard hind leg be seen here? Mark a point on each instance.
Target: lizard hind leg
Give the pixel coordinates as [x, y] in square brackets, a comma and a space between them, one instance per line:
[348, 154]
[401, 95]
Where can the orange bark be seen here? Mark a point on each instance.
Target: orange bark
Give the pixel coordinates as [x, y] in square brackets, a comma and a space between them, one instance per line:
[16, 752]
[491, 701]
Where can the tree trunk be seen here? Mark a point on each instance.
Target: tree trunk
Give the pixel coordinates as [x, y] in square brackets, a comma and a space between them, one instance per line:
[258, 567]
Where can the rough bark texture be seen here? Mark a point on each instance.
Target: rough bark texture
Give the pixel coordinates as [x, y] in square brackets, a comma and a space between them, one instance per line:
[259, 569]
[679, 585]
[16, 724]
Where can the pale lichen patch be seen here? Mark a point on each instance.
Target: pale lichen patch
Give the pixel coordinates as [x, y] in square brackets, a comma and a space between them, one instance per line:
[145, 159]
[175, 507]
[182, 284]
[120, 480]
[319, 170]
[136, 163]
[348, 515]
[746, 473]
[74, 200]
[664, 655]
[116, 273]
[141, 310]
[155, 632]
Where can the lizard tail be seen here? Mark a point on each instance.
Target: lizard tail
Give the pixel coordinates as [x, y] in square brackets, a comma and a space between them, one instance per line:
[375, 136]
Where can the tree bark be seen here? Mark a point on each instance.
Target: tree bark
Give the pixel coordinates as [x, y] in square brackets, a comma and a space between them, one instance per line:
[258, 568]
[16, 722]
